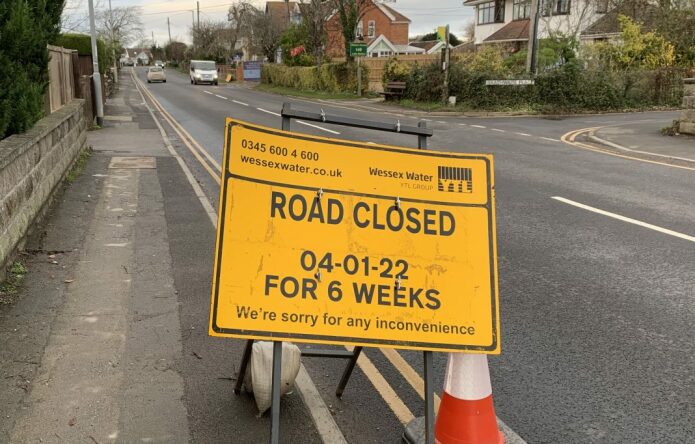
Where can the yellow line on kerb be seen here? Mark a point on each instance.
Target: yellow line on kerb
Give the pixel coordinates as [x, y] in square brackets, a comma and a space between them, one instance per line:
[409, 374]
[186, 139]
[569, 138]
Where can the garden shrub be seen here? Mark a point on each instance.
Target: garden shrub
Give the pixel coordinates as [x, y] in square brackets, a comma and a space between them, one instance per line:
[395, 71]
[332, 77]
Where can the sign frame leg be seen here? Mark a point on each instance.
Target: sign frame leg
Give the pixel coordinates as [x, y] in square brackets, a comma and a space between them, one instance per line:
[275, 393]
[244, 365]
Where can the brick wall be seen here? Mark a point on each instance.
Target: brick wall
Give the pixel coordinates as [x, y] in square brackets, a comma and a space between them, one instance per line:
[32, 165]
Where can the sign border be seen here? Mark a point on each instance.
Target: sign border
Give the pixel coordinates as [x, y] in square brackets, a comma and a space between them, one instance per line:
[334, 340]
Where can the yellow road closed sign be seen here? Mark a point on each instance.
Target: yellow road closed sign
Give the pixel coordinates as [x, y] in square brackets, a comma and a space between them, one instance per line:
[339, 242]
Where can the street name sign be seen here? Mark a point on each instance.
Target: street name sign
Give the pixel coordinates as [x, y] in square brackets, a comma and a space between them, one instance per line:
[358, 49]
[519, 82]
[340, 242]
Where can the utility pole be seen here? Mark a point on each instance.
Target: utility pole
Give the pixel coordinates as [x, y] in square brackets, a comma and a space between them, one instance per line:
[169, 28]
[192, 19]
[445, 63]
[532, 56]
[198, 5]
[113, 47]
[96, 77]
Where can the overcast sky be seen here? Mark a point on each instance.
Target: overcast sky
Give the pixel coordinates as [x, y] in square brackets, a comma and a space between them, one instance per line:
[424, 15]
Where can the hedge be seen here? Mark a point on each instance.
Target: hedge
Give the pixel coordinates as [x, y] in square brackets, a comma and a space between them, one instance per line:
[26, 27]
[83, 44]
[564, 89]
[332, 77]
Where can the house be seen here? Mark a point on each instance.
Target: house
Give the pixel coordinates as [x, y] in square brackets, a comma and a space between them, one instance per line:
[139, 56]
[283, 14]
[384, 29]
[507, 22]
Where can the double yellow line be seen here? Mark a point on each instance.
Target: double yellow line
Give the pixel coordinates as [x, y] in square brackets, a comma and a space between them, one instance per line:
[208, 162]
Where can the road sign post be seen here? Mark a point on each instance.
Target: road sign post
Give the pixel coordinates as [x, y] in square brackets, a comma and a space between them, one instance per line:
[358, 50]
[339, 242]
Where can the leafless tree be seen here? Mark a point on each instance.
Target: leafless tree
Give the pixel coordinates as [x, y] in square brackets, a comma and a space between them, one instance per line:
[468, 31]
[266, 35]
[211, 40]
[241, 17]
[120, 26]
[570, 26]
[314, 16]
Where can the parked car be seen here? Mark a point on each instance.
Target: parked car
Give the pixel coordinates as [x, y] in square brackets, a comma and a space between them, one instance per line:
[156, 74]
[203, 71]
[159, 63]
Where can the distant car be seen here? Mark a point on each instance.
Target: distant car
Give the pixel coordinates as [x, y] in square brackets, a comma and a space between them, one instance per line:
[156, 74]
[203, 71]
[159, 63]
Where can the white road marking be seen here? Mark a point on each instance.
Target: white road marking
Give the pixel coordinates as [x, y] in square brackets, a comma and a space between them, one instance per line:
[323, 420]
[463, 124]
[221, 97]
[479, 126]
[426, 120]
[626, 219]
[318, 127]
[551, 139]
[523, 134]
[240, 103]
[498, 130]
[441, 121]
[207, 92]
[269, 112]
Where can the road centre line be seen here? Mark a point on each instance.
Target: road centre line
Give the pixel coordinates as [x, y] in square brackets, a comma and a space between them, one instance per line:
[318, 127]
[207, 92]
[479, 126]
[441, 121]
[625, 219]
[269, 112]
[551, 139]
[463, 124]
[523, 134]
[240, 103]
[221, 97]
[498, 130]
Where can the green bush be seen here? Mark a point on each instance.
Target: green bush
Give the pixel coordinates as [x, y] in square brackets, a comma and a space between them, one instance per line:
[332, 77]
[26, 26]
[83, 44]
[395, 71]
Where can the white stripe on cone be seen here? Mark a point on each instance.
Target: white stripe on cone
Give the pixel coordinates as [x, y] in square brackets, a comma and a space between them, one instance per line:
[461, 370]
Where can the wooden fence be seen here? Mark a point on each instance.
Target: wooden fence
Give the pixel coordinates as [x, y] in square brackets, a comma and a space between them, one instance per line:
[376, 66]
[61, 86]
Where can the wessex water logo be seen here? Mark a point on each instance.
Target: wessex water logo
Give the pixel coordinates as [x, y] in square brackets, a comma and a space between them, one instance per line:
[455, 180]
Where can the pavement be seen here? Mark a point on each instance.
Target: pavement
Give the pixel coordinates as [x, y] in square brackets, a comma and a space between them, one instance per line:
[645, 138]
[108, 341]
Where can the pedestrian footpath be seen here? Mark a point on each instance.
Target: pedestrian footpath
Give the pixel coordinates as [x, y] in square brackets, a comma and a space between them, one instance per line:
[646, 138]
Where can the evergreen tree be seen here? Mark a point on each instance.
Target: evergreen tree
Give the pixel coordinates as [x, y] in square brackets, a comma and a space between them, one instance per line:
[26, 27]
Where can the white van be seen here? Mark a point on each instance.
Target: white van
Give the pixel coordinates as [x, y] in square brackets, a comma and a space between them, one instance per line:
[203, 71]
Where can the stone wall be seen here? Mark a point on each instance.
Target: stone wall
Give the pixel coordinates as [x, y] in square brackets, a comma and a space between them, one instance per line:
[32, 166]
[687, 121]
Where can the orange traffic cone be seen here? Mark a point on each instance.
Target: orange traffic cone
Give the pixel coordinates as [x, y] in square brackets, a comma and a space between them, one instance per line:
[466, 414]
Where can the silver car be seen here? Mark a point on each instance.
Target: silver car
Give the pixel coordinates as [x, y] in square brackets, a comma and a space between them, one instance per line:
[156, 74]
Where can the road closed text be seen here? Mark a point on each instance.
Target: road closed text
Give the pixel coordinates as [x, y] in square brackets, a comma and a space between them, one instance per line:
[390, 216]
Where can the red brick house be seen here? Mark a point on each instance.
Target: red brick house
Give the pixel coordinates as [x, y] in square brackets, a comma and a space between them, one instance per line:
[383, 28]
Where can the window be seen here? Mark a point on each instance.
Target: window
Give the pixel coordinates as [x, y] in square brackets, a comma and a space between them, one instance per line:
[556, 7]
[371, 29]
[521, 9]
[491, 12]
[359, 31]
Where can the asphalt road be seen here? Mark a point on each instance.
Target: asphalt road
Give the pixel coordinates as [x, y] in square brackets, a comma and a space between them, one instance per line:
[597, 311]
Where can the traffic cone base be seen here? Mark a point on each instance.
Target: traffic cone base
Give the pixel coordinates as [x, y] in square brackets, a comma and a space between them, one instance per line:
[466, 422]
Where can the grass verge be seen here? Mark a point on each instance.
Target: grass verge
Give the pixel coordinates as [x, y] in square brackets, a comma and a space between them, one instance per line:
[79, 165]
[8, 289]
[285, 91]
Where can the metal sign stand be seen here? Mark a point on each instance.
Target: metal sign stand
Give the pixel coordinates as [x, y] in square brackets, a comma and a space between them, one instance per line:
[422, 133]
